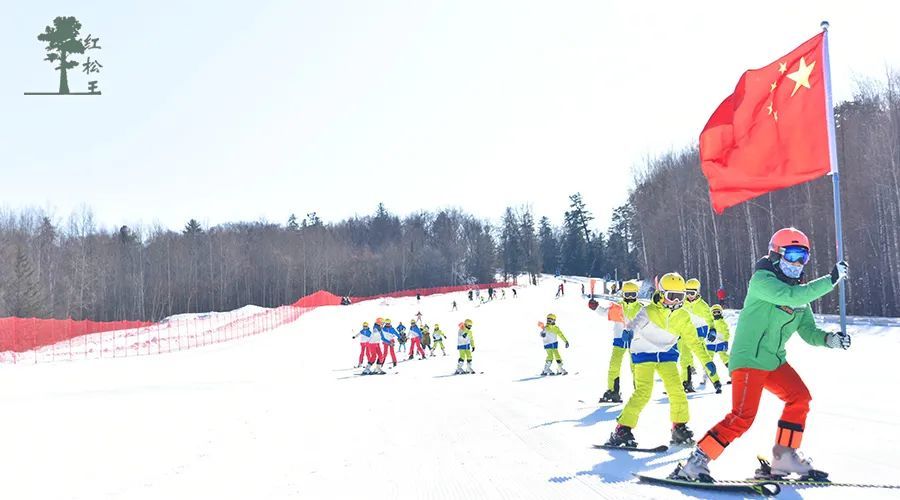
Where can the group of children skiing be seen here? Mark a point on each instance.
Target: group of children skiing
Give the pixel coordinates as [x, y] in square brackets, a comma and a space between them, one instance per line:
[663, 336]
[677, 325]
[377, 342]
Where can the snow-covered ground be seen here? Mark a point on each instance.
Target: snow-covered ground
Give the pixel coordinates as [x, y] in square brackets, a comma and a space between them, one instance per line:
[282, 415]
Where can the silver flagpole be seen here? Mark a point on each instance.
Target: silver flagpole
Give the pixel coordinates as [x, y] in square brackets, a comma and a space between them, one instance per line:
[835, 174]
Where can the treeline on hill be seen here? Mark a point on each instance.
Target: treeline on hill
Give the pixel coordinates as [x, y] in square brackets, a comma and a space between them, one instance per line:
[79, 270]
[674, 227]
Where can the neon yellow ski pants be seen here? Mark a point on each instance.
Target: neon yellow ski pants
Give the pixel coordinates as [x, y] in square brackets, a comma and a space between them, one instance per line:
[553, 354]
[465, 354]
[615, 366]
[438, 344]
[643, 382]
[690, 347]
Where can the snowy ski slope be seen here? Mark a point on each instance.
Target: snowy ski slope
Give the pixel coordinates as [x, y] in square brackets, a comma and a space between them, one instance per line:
[281, 415]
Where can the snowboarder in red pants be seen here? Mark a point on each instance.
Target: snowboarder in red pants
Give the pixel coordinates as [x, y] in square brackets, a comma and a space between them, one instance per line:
[415, 340]
[777, 305]
[388, 333]
[364, 335]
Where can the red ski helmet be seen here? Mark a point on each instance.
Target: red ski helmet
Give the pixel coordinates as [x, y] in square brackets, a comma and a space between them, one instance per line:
[789, 236]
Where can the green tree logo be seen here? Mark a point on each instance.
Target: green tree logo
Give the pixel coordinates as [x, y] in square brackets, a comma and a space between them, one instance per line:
[64, 42]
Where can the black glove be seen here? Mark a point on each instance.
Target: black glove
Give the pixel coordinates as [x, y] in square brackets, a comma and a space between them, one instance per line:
[839, 272]
[567, 345]
[473, 348]
[543, 334]
[712, 335]
[837, 339]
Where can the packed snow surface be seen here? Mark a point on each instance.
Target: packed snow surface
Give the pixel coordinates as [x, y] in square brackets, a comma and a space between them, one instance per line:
[283, 415]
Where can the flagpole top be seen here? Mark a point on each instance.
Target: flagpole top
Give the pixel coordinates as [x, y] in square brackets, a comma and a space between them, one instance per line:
[824, 25]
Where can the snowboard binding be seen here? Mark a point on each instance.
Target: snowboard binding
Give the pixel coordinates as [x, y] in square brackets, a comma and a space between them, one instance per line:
[764, 472]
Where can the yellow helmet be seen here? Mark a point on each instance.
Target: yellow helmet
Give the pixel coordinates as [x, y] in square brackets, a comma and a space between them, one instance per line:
[436, 326]
[551, 317]
[692, 284]
[630, 287]
[672, 282]
[671, 289]
[365, 324]
[387, 321]
[467, 323]
[716, 308]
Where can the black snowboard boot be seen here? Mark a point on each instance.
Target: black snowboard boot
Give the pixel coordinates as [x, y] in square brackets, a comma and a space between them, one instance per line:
[611, 397]
[622, 436]
[682, 435]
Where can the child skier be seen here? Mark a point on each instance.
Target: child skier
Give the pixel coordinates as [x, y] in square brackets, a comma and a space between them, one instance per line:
[373, 351]
[702, 319]
[426, 339]
[388, 334]
[415, 340]
[654, 348]
[401, 337]
[550, 332]
[628, 306]
[719, 343]
[438, 337]
[776, 306]
[465, 344]
[363, 335]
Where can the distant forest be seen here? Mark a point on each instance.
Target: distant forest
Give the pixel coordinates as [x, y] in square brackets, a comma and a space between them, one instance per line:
[72, 268]
[76, 269]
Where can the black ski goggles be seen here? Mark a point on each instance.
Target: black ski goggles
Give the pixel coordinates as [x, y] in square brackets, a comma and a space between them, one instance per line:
[691, 293]
[630, 295]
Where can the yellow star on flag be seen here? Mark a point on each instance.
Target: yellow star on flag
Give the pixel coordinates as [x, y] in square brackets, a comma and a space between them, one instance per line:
[769, 108]
[801, 76]
[774, 84]
[782, 67]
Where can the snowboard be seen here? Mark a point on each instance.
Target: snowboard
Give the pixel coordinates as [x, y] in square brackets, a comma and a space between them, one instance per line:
[659, 449]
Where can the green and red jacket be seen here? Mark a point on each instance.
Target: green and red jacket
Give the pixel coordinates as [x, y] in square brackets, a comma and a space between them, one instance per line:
[776, 306]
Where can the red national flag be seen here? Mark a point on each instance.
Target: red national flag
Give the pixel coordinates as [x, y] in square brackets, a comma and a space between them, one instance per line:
[772, 132]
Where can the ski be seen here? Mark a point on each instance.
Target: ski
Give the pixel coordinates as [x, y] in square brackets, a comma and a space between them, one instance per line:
[659, 449]
[762, 488]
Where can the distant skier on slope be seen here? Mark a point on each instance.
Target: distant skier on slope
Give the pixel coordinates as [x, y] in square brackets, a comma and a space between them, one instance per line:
[776, 306]
[364, 334]
[373, 351]
[465, 344]
[426, 338]
[616, 314]
[438, 336]
[415, 340]
[654, 348]
[551, 335]
[401, 337]
[388, 335]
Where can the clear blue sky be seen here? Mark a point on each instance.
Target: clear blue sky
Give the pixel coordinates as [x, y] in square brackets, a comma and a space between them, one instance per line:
[227, 111]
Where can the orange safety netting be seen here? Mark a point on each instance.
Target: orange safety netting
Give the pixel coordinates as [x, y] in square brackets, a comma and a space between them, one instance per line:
[25, 334]
[52, 339]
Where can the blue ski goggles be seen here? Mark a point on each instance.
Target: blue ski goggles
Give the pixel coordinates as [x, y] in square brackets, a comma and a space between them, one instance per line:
[795, 254]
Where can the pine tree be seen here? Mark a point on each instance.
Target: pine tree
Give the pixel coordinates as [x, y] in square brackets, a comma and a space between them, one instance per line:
[530, 247]
[511, 246]
[292, 223]
[575, 255]
[24, 297]
[549, 247]
[621, 254]
[192, 227]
